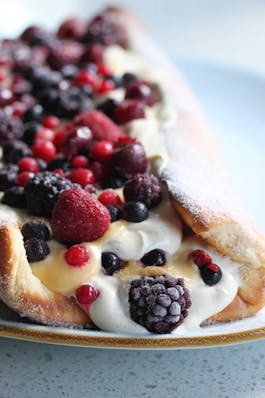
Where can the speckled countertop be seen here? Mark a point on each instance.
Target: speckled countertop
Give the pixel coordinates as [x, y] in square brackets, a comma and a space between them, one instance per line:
[32, 370]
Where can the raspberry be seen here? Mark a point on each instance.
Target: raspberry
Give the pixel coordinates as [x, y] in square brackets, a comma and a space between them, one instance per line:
[24, 177]
[35, 229]
[51, 122]
[82, 177]
[72, 28]
[86, 294]
[101, 126]
[8, 176]
[65, 54]
[78, 217]
[28, 164]
[10, 127]
[15, 197]
[128, 110]
[44, 150]
[36, 249]
[129, 159]
[80, 161]
[76, 256]
[110, 198]
[159, 303]
[144, 187]
[102, 151]
[42, 192]
[200, 257]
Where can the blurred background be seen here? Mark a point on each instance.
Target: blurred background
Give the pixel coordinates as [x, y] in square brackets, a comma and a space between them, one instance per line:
[231, 31]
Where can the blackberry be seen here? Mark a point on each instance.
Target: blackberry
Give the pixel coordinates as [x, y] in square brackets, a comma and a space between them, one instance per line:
[33, 114]
[35, 229]
[156, 257]
[210, 274]
[8, 176]
[42, 192]
[144, 187]
[110, 262]
[135, 212]
[108, 107]
[30, 131]
[11, 128]
[36, 249]
[13, 151]
[43, 78]
[49, 99]
[159, 303]
[15, 197]
[115, 212]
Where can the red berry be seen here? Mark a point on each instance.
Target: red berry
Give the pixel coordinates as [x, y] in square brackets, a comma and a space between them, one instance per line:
[60, 172]
[126, 139]
[44, 150]
[80, 161]
[129, 159]
[86, 77]
[59, 139]
[2, 75]
[77, 139]
[18, 109]
[213, 267]
[82, 176]
[28, 164]
[129, 110]
[101, 126]
[105, 86]
[72, 28]
[103, 69]
[87, 294]
[79, 217]
[110, 198]
[100, 170]
[51, 122]
[66, 53]
[76, 256]
[200, 257]
[93, 53]
[140, 91]
[45, 135]
[102, 151]
[23, 177]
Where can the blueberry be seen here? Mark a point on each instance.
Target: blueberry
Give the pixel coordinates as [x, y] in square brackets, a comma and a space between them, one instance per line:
[36, 249]
[128, 78]
[155, 257]
[113, 181]
[211, 274]
[33, 114]
[135, 212]
[110, 262]
[35, 229]
[58, 163]
[108, 107]
[15, 197]
[115, 212]
[30, 131]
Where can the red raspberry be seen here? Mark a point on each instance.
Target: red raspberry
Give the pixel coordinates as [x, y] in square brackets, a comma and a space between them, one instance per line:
[129, 110]
[44, 150]
[105, 86]
[86, 77]
[76, 256]
[86, 295]
[102, 151]
[110, 198]
[28, 164]
[72, 28]
[51, 122]
[66, 53]
[82, 177]
[59, 139]
[80, 161]
[78, 217]
[200, 258]
[23, 177]
[101, 126]
[45, 135]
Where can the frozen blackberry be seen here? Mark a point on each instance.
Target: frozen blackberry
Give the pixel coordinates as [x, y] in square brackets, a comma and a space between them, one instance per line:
[135, 212]
[110, 262]
[156, 257]
[15, 197]
[144, 187]
[36, 249]
[10, 127]
[13, 151]
[35, 229]
[115, 212]
[159, 303]
[8, 176]
[42, 192]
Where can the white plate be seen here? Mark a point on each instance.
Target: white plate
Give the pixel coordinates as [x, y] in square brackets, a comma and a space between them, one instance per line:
[235, 102]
